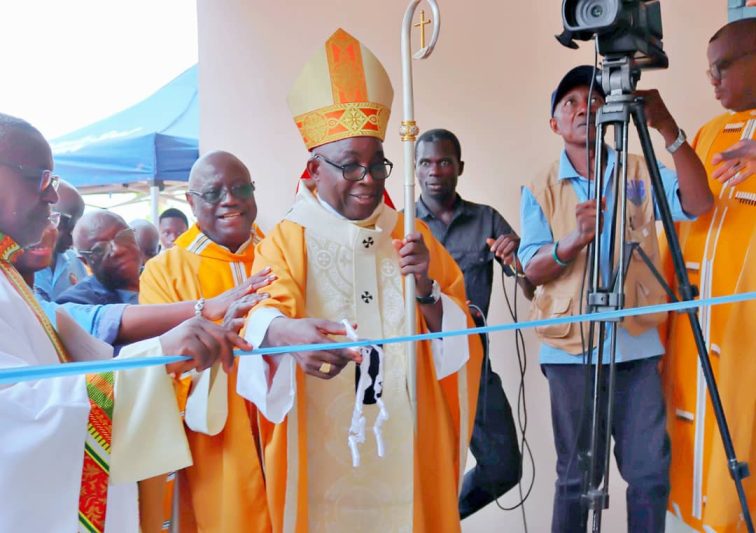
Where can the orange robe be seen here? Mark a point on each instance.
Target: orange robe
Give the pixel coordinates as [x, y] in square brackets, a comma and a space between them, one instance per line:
[224, 490]
[446, 407]
[719, 252]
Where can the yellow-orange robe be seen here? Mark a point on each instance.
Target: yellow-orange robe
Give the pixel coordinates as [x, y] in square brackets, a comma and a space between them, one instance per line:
[720, 257]
[306, 455]
[224, 490]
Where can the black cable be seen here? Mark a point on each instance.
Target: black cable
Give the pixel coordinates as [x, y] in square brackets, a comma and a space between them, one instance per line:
[522, 413]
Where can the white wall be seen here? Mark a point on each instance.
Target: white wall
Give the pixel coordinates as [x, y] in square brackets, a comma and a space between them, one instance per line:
[489, 81]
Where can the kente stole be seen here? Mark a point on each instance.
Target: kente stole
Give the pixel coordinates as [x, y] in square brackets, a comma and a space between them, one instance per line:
[93, 497]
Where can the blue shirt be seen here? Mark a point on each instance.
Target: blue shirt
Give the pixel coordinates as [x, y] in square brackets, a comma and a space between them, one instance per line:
[101, 321]
[91, 291]
[536, 232]
[69, 270]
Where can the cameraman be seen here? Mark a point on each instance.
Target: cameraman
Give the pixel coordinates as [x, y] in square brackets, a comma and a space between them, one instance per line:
[557, 220]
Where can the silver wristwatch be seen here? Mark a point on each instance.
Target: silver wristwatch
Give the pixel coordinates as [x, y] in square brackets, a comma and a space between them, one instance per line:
[675, 146]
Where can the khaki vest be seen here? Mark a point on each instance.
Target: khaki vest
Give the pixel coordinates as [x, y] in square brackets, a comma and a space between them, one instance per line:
[561, 296]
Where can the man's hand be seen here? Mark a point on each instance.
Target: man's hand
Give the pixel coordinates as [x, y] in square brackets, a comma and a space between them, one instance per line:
[585, 216]
[658, 116]
[203, 341]
[505, 247]
[414, 258]
[737, 163]
[292, 331]
[217, 308]
[237, 312]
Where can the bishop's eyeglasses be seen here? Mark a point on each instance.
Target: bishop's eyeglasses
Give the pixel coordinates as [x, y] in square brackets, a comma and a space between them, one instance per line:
[357, 172]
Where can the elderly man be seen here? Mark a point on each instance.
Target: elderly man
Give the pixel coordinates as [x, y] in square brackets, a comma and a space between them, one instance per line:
[720, 256]
[147, 238]
[558, 222]
[119, 324]
[67, 269]
[340, 254]
[224, 490]
[171, 224]
[84, 440]
[108, 246]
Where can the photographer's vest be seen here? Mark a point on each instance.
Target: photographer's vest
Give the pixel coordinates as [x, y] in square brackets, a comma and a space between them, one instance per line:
[561, 296]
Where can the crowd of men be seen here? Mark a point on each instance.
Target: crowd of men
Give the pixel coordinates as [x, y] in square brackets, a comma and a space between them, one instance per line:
[283, 442]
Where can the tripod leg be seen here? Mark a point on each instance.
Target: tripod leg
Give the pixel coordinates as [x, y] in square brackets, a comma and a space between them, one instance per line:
[738, 470]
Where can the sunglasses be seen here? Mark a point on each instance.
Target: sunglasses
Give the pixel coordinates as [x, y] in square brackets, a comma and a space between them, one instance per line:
[244, 191]
[45, 177]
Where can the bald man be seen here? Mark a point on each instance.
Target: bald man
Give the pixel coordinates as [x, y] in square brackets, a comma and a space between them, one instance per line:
[66, 268]
[719, 255]
[107, 245]
[147, 237]
[224, 489]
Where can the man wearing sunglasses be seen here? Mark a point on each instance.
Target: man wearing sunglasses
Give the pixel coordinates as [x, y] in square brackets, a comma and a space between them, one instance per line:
[212, 256]
[719, 254]
[108, 246]
[66, 268]
[47, 479]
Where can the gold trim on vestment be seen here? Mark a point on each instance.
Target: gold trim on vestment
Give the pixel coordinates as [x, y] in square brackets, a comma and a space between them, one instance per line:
[341, 121]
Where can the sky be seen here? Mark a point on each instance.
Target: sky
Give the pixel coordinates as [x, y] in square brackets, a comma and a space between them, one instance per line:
[66, 64]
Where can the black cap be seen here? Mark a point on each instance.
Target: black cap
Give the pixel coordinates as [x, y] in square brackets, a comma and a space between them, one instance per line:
[577, 77]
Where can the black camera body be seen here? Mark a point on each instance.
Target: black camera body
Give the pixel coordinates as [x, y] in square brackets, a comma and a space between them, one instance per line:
[622, 28]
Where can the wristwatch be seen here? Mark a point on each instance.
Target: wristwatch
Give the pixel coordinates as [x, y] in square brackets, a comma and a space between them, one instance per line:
[433, 297]
[675, 146]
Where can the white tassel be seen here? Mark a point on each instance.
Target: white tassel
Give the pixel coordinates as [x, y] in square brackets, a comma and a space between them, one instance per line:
[357, 427]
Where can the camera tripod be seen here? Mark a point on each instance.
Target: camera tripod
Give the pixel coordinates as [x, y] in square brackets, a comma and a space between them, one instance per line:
[618, 79]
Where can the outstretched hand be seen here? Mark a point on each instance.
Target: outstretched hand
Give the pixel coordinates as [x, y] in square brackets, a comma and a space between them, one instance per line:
[218, 307]
[736, 164]
[205, 342]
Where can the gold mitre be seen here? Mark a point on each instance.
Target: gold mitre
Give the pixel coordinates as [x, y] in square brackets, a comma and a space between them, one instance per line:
[343, 91]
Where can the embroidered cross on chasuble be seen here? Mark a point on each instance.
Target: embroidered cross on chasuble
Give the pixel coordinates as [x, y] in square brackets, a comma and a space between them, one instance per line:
[352, 274]
[95, 472]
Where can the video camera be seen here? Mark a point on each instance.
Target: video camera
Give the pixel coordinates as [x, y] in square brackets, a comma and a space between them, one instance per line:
[630, 28]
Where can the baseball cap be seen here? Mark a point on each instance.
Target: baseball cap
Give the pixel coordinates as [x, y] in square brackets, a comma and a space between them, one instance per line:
[577, 77]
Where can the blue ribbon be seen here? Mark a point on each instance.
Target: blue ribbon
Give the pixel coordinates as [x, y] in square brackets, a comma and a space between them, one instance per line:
[31, 373]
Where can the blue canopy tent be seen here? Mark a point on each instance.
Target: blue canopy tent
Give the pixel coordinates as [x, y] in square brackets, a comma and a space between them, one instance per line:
[144, 146]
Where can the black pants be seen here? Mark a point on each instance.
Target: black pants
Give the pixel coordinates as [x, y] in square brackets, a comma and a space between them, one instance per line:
[494, 445]
[641, 444]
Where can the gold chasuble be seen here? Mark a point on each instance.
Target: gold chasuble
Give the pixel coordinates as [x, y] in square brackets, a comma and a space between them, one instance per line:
[334, 268]
[720, 253]
[224, 490]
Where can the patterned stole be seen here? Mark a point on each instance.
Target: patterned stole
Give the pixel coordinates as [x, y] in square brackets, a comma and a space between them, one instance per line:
[93, 497]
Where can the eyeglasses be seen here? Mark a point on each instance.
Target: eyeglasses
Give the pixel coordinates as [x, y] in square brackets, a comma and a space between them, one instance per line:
[716, 71]
[102, 249]
[244, 191]
[46, 177]
[63, 219]
[356, 172]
